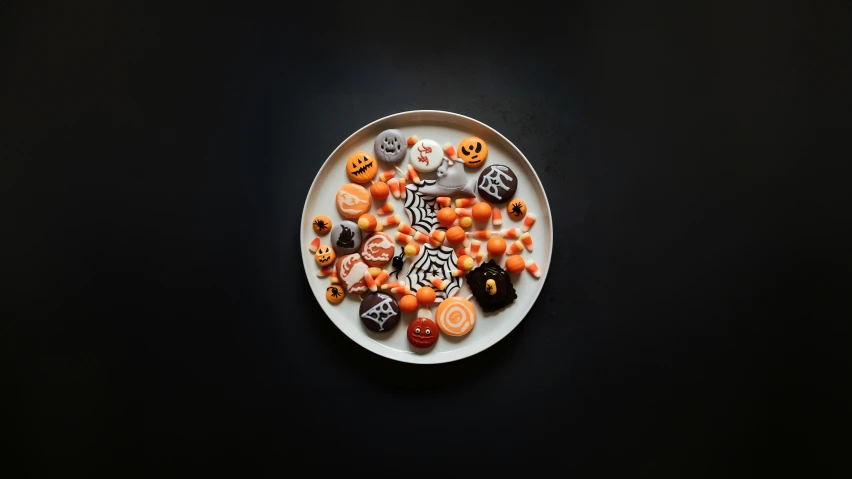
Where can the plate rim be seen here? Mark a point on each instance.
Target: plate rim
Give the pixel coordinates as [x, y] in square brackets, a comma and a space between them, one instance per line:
[438, 358]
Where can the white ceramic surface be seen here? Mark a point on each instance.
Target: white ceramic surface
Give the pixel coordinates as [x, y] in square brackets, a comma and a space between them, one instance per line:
[442, 127]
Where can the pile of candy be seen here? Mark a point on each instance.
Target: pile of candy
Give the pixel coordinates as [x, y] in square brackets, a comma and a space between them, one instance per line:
[443, 242]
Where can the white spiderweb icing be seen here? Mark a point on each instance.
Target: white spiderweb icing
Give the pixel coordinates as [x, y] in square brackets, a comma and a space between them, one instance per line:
[380, 313]
[439, 262]
[421, 208]
[492, 181]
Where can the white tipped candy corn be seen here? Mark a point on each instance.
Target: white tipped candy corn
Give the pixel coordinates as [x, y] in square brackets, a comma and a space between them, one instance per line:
[496, 217]
[526, 239]
[404, 238]
[393, 284]
[474, 246]
[386, 175]
[516, 247]
[463, 212]
[528, 222]
[439, 283]
[391, 220]
[312, 247]
[405, 229]
[465, 202]
[421, 237]
[412, 175]
[450, 150]
[325, 271]
[370, 282]
[511, 233]
[411, 140]
[385, 209]
[461, 251]
[334, 278]
[481, 234]
[443, 201]
[393, 184]
[382, 277]
[402, 188]
[533, 269]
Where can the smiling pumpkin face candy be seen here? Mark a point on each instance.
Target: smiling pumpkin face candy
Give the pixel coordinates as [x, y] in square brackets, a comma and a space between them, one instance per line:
[472, 152]
[362, 167]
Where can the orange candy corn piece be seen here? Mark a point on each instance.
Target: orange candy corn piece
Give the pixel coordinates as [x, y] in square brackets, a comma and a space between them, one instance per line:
[463, 212]
[411, 140]
[312, 247]
[393, 184]
[526, 239]
[402, 188]
[386, 175]
[334, 278]
[465, 202]
[325, 271]
[511, 233]
[439, 283]
[382, 277]
[421, 237]
[516, 247]
[385, 209]
[474, 246]
[443, 201]
[528, 222]
[533, 269]
[369, 281]
[412, 175]
[391, 220]
[404, 238]
[405, 228]
[393, 284]
[496, 217]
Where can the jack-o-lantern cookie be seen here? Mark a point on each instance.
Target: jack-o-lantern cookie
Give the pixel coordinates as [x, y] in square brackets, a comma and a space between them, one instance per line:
[362, 167]
[352, 200]
[325, 255]
[472, 152]
[350, 270]
[425, 155]
[377, 249]
[422, 333]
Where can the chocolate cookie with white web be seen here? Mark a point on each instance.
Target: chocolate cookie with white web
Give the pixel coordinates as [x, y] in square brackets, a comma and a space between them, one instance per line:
[497, 184]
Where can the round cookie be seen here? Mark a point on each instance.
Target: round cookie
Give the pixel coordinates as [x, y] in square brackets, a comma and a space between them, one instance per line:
[455, 316]
[422, 333]
[350, 271]
[472, 152]
[516, 209]
[334, 294]
[377, 249]
[497, 184]
[352, 200]
[321, 224]
[325, 255]
[425, 156]
[390, 146]
[346, 238]
[379, 312]
[361, 167]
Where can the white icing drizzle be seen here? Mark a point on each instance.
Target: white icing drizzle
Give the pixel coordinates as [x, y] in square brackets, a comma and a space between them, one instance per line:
[493, 180]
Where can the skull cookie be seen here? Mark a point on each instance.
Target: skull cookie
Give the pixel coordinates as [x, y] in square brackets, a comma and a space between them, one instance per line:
[346, 237]
[350, 270]
[390, 146]
[425, 155]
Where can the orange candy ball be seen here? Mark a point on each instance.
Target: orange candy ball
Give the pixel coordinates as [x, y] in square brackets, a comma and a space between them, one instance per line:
[515, 264]
[481, 211]
[379, 191]
[408, 303]
[446, 216]
[496, 246]
[466, 263]
[425, 296]
[455, 235]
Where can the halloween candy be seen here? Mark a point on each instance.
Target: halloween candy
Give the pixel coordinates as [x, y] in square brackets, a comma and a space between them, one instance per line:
[387, 208]
[321, 224]
[528, 222]
[526, 239]
[496, 217]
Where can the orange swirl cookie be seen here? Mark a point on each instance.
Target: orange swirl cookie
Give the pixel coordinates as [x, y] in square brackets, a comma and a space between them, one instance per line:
[455, 316]
[352, 200]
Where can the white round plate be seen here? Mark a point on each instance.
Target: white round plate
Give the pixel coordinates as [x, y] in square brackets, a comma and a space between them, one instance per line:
[442, 127]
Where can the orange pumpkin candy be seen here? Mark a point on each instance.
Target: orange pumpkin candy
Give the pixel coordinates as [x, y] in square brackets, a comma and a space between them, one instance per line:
[515, 264]
[408, 303]
[455, 235]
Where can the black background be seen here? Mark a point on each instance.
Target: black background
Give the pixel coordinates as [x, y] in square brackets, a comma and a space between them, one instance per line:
[694, 321]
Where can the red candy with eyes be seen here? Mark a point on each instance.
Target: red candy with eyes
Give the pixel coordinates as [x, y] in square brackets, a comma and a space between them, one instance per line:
[422, 333]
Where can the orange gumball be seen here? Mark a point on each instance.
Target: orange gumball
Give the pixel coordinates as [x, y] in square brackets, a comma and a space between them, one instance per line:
[425, 296]
[408, 303]
[455, 235]
[379, 191]
[496, 246]
[446, 216]
[481, 211]
[515, 264]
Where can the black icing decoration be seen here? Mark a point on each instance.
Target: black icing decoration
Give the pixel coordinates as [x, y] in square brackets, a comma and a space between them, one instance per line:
[505, 294]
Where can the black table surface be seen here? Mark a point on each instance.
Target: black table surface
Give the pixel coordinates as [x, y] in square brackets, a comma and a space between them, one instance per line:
[695, 157]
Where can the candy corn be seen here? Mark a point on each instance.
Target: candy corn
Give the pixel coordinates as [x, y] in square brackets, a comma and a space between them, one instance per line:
[436, 238]
[481, 234]
[325, 271]
[312, 247]
[370, 282]
[443, 200]
[465, 263]
[463, 212]
[533, 269]
[381, 278]
[456, 273]
[496, 217]
[404, 289]
[465, 202]
[391, 220]
[450, 151]
[474, 246]
[412, 175]
[528, 222]
[461, 251]
[411, 248]
[405, 228]
[439, 283]
[402, 188]
[412, 140]
[367, 223]
[386, 208]
[334, 278]
[482, 257]
[404, 238]
[526, 239]
[515, 247]
[386, 175]
[393, 284]
[511, 233]
[421, 237]
[393, 184]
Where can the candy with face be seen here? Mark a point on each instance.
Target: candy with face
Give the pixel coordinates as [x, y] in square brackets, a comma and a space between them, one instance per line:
[361, 167]
[350, 270]
[379, 312]
[334, 294]
[346, 237]
[352, 200]
[390, 146]
[325, 255]
[497, 184]
[472, 152]
[425, 155]
[422, 333]
[377, 249]
[321, 224]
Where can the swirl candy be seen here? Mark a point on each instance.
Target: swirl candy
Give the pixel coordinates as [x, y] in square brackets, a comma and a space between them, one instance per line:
[455, 316]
